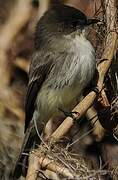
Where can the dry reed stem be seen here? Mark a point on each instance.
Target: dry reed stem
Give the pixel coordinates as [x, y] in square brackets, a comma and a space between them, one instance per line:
[98, 130]
[82, 107]
[43, 7]
[22, 63]
[104, 101]
[18, 18]
[38, 161]
[46, 163]
[33, 168]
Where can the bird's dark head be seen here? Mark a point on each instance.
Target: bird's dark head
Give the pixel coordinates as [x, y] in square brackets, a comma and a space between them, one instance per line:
[72, 17]
[61, 19]
[67, 17]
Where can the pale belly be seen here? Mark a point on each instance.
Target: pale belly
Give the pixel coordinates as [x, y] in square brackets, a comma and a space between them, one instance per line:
[78, 70]
[49, 101]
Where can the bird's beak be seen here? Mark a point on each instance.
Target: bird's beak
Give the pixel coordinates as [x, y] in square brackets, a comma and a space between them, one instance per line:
[92, 21]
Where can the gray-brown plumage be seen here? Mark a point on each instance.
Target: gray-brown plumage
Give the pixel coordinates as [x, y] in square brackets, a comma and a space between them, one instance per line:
[62, 66]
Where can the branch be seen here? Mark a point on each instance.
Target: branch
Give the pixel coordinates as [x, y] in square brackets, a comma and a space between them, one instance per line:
[43, 8]
[38, 161]
[18, 18]
[22, 63]
[98, 130]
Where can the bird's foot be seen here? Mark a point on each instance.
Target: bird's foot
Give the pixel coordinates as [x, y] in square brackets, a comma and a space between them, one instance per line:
[102, 97]
[72, 114]
[96, 90]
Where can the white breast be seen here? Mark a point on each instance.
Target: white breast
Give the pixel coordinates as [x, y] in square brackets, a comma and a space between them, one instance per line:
[84, 62]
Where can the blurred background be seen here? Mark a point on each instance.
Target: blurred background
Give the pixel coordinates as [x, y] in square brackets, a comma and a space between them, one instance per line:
[18, 19]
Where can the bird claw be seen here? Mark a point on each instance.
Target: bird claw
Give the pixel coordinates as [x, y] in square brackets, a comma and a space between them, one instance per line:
[96, 90]
[70, 114]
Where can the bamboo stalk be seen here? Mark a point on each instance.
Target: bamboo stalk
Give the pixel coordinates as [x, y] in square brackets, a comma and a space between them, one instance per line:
[38, 161]
[98, 130]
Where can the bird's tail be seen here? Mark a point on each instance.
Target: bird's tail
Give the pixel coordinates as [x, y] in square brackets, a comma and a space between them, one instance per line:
[31, 140]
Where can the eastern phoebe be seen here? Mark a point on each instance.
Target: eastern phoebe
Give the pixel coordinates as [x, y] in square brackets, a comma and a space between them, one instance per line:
[62, 65]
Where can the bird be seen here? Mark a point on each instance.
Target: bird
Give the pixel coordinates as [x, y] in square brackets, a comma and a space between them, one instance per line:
[62, 65]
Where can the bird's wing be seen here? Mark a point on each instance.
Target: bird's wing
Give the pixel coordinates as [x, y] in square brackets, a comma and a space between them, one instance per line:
[39, 70]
